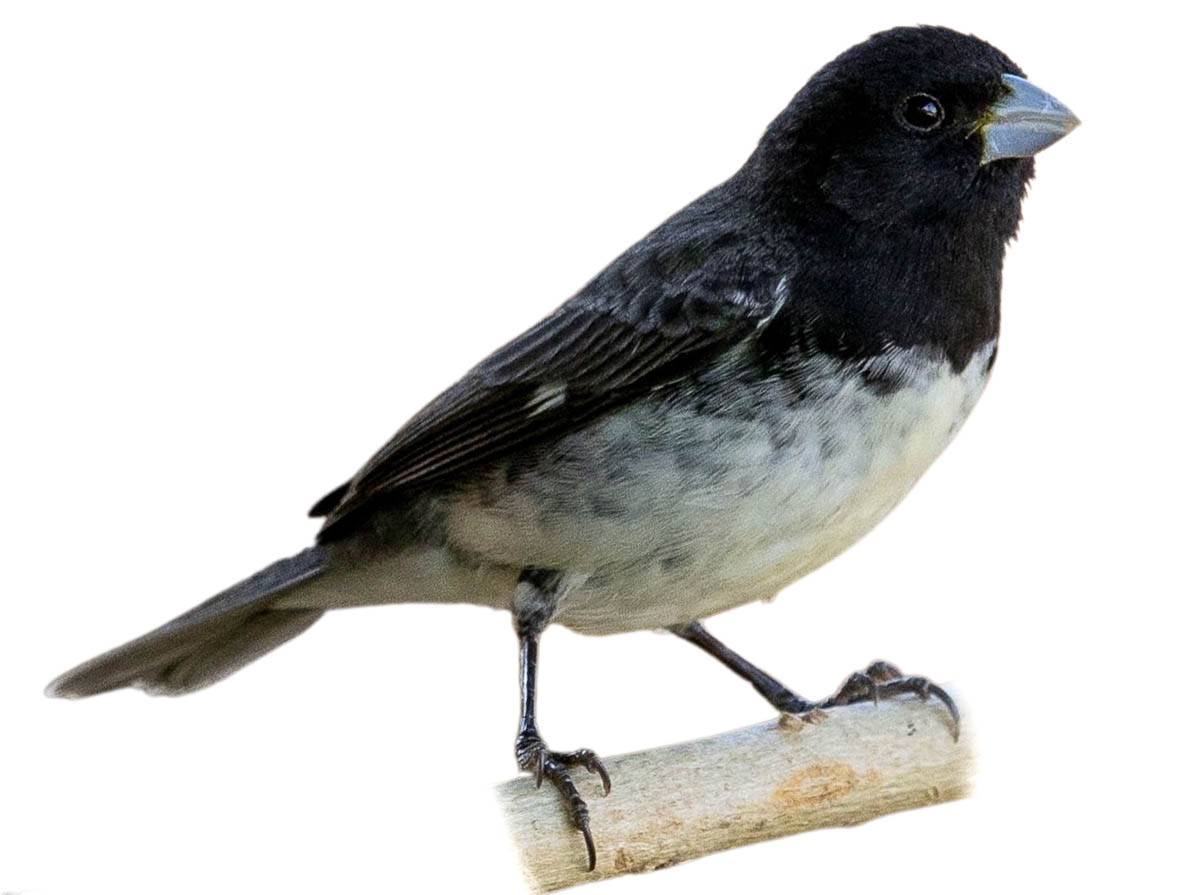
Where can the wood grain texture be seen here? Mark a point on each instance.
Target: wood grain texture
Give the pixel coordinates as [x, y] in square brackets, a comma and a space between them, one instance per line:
[784, 776]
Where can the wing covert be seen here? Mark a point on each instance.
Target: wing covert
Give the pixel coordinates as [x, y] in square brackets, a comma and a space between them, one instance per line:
[640, 324]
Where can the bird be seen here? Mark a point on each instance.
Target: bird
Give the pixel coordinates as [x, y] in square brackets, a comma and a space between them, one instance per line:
[731, 403]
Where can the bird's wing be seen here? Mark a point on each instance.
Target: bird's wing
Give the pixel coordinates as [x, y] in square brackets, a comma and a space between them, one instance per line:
[656, 315]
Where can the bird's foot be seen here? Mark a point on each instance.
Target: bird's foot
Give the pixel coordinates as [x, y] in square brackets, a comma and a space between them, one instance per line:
[534, 756]
[882, 680]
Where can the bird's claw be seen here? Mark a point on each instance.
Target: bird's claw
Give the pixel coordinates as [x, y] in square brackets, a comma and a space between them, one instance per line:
[882, 680]
[533, 755]
[588, 759]
[858, 687]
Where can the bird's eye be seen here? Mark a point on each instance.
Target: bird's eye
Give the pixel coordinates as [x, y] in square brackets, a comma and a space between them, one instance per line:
[921, 112]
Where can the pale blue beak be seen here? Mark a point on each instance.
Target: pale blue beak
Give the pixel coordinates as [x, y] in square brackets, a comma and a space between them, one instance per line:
[1024, 121]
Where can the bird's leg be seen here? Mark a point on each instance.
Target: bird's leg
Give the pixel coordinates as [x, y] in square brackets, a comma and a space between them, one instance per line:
[534, 605]
[881, 680]
[767, 686]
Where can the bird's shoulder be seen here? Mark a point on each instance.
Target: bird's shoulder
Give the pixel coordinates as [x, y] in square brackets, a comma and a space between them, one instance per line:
[709, 267]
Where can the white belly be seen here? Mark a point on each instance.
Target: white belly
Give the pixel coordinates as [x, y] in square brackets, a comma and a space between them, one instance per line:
[665, 515]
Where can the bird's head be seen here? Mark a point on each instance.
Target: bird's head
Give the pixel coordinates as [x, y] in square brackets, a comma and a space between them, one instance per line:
[914, 125]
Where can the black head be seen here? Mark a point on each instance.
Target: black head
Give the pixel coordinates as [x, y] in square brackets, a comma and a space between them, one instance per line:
[892, 133]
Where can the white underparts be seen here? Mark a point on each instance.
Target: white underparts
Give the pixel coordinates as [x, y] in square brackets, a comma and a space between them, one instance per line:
[667, 511]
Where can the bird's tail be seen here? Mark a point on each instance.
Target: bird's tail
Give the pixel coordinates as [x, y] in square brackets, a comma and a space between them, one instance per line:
[209, 642]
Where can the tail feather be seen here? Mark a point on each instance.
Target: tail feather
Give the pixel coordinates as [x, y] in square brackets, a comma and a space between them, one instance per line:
[228, 653]
[207, 643]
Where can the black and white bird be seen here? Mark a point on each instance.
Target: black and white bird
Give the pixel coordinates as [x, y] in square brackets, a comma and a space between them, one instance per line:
[733, 402]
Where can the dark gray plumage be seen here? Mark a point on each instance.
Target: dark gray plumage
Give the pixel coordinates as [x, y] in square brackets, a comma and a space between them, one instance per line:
[207, 643]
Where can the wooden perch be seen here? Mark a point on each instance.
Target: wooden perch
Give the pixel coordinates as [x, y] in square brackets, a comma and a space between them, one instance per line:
[784, 776]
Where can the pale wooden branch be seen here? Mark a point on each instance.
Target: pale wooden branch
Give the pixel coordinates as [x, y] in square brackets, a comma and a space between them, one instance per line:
[784, 776]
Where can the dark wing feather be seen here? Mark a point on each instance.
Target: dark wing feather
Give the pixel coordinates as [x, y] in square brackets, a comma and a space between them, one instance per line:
[641, 323]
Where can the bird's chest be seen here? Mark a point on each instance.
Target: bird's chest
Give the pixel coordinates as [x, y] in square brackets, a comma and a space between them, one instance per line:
[841, 462]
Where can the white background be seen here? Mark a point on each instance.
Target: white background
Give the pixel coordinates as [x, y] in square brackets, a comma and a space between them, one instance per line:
[241, 242]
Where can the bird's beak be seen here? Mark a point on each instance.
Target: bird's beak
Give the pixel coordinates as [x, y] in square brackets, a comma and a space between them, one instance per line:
[1024, 122]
